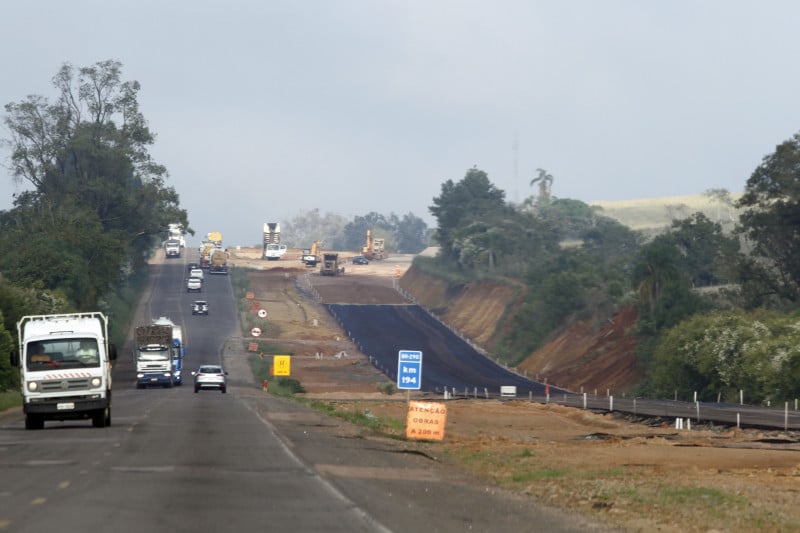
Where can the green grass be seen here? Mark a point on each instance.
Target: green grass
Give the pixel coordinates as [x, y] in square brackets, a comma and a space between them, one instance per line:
[360, 416]
[10, 399]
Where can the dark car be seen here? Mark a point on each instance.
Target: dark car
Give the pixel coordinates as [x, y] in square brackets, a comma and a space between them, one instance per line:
[360, 260]
[200, 307]
[192, 266]
[210, 377]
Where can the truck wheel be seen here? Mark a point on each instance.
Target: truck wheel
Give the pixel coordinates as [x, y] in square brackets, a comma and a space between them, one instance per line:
[34, 422]
[99, 418]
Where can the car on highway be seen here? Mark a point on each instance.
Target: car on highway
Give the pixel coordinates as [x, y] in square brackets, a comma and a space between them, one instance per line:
[360, 260]
[194, 284]
[210, 377]
[200, 307]
[196, 273]
[192, 266]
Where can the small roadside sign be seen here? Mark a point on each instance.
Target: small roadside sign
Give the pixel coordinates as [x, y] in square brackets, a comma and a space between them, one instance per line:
[262, 313]
[282, 365]
[255, 332]
[426, 420]
[409, 370]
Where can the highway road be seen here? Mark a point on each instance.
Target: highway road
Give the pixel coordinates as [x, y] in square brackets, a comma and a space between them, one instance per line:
[175, 461]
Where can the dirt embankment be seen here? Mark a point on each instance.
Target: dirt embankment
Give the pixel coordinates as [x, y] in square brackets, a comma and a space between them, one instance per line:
[585, 356]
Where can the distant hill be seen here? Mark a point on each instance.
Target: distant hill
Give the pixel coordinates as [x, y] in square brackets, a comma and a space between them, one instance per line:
[652, 215]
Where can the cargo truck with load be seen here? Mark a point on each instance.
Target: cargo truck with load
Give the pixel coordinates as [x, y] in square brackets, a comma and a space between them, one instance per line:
[178, 350]
[176, 233]
[65, 368]
[153, 354]
[273, 249]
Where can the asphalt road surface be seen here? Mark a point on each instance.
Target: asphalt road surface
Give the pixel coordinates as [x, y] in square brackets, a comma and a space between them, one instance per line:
[175, 461]
[448, 361]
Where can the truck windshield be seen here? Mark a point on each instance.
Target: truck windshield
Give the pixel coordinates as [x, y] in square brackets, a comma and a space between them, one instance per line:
[153, 354]
[62, 353]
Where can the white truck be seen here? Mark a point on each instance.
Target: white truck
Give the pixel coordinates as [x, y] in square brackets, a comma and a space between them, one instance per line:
[153, 354]
[178, 348]
[65, 368]
[176, 233]
[273, 249]
[172, 248]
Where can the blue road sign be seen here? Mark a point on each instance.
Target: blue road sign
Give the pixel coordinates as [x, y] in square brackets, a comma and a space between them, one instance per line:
[409, 370]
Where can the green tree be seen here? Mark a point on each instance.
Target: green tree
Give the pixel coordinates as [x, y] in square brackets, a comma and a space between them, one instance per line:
[472, 199]
[704, 252]
[545, 182]
[99, 202]
[410, 234]
[771, 217]
[721, 353]
[663, 289]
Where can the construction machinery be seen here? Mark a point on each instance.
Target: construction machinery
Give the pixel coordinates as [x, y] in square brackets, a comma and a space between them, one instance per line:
[330, 265]
[311, 255]
[374, 247]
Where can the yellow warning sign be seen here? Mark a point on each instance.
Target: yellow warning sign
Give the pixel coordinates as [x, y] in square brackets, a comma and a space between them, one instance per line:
[282, 365]
[426, 420]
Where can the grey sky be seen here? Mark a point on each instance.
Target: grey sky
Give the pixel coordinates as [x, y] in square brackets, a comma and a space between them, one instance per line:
[266, 109]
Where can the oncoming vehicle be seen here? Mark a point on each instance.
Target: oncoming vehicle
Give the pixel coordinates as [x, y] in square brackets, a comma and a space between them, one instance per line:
[360, 260]
[194, 284]
[200, 307]
[210, 377]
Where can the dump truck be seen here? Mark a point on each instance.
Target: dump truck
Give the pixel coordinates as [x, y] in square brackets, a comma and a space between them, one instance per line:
[153, 354]
[330, 265]
[311, 255]
[273, 249]
[65, 368]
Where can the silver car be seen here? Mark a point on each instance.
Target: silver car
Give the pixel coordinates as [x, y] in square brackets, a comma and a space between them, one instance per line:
[210, 377]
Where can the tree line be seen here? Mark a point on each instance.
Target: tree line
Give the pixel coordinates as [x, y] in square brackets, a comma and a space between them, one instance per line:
[717, 311]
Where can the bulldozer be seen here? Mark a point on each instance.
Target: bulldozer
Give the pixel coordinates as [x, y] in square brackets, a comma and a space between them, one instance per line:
[374, 247]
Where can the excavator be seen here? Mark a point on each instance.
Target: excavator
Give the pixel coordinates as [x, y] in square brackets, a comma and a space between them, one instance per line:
[311, 255]
[374, 247]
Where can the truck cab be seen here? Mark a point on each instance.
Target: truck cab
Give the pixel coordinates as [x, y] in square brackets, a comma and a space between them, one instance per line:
[65, 368]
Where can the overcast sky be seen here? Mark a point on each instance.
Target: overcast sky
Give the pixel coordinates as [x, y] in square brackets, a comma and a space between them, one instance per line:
[267, 109]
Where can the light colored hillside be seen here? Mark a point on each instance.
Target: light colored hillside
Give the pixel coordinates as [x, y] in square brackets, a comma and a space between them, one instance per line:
[655, 214]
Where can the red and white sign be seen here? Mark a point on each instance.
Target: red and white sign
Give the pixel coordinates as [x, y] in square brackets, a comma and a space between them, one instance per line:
[255, 332]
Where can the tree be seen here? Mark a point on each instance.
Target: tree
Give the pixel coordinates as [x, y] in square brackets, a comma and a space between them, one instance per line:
[474, 198]
[724, 352]
[99, 202]
[410, 234]
[705, 253]
[771, 218]
[545, 182]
